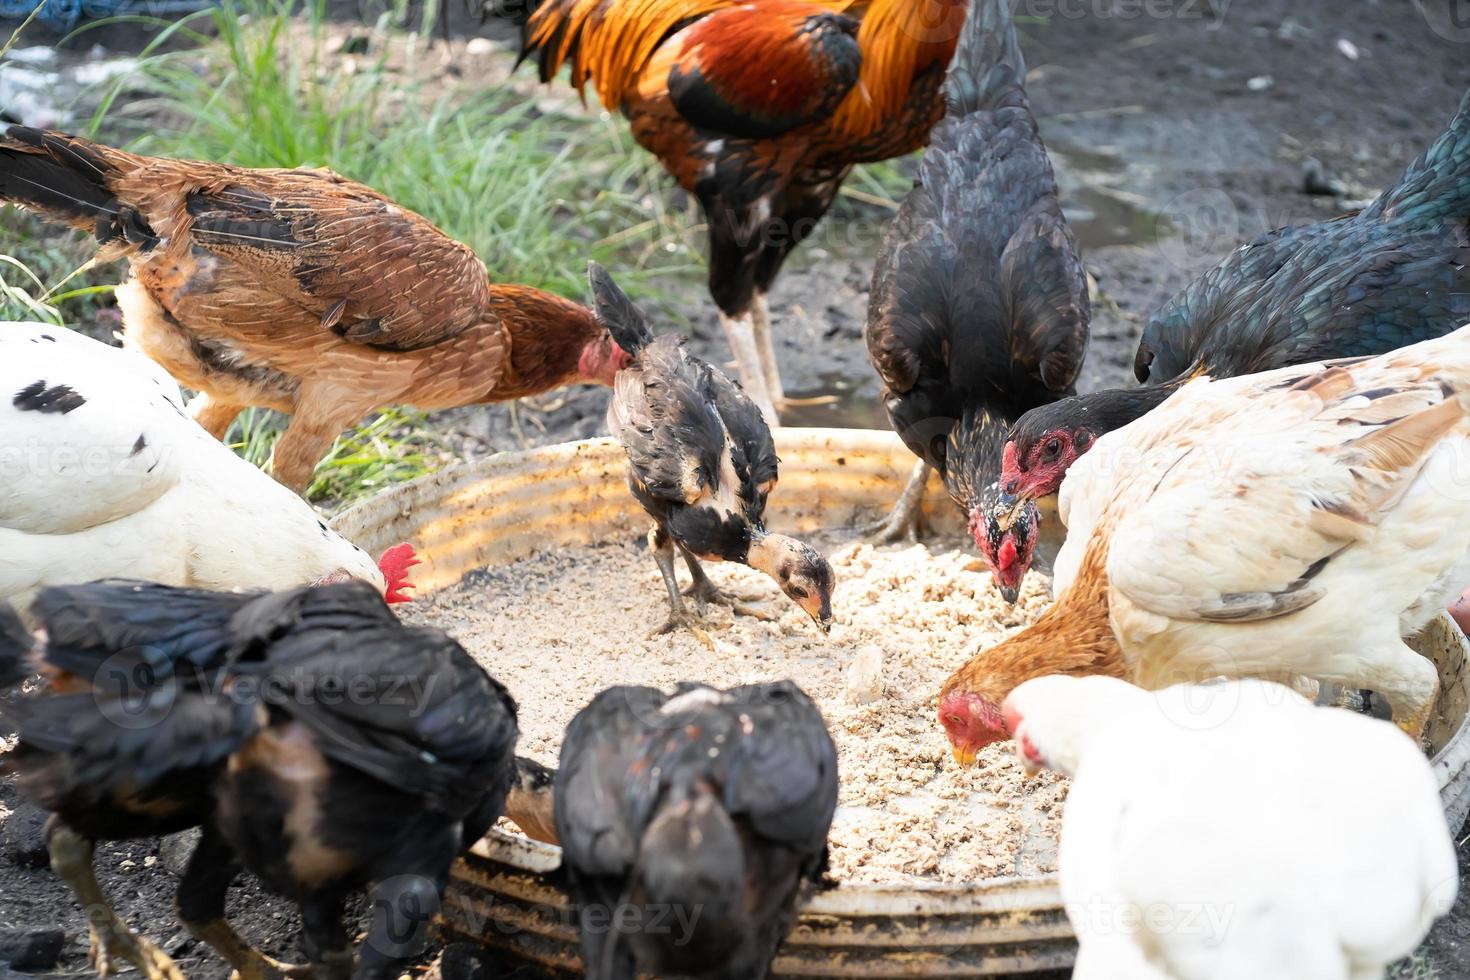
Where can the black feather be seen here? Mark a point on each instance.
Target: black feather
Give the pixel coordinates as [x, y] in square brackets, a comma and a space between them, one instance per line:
[67, 180]
[15, 644]
[625, 321]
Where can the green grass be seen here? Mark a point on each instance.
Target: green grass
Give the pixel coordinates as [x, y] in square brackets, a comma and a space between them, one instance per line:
[535, 191]
[536, 194]
[394, 446]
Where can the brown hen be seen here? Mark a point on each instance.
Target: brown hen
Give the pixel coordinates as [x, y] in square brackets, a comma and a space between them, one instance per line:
[300, 291]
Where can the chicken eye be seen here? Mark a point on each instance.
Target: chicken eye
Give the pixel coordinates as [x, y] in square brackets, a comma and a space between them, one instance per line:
[1052, 448]
[797, 592]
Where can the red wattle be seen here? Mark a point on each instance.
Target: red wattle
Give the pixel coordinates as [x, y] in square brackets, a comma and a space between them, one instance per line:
[1006, 556]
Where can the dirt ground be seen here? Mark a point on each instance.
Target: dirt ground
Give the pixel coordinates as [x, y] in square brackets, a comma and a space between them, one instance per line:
[1179, 128]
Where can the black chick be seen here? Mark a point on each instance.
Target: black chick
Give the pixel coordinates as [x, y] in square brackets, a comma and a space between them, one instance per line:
[979, 308]
[321, 744]
[694, 822]
[702, 463]
[128, 734]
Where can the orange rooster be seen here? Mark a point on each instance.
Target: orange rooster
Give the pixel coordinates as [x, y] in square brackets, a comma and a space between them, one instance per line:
[760, 110]
[301, 291]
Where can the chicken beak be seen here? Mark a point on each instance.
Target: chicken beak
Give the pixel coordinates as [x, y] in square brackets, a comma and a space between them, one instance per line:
[825, 625]
[1008, 510]
[1030, 767]
[963, 755]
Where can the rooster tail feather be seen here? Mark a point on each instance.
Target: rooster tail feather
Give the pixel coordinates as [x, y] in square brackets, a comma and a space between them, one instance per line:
[68, 179]
[988, 71]
[1436, 186]
[624, 320]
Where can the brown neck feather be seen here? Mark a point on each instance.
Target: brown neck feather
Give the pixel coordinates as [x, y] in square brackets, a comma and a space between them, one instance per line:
[1074, 636]
[547, 336]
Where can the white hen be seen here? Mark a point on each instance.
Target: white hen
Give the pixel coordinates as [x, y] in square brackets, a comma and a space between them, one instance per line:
[1232, 830]
[1298, 522]
[102, 475]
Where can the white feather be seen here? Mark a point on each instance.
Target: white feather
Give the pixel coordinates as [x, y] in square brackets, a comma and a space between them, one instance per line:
[126, 485]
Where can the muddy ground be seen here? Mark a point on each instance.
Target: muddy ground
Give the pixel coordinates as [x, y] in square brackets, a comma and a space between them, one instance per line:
[1179, 128]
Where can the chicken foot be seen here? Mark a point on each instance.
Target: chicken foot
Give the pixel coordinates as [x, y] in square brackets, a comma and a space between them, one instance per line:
[905, 522]
[111, 939]
[707, 593]
[201, 906]
[662, 546]
[740, 333]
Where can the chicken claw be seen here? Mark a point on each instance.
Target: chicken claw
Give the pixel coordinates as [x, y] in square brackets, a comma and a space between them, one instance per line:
[110, 938]
[904, 523]
[682, 620]
[113, 941]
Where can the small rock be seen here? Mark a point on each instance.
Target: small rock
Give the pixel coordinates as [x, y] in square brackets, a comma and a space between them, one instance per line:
[1347, 49]
[1260, 83]
[31, 949]
[463, 961]
[1318, 182]
[126, 863]
[175, 850]
[479, 47]
[865, 675]
[24, 837]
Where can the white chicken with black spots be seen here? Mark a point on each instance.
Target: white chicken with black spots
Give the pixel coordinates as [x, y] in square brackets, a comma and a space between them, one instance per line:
[102, 475]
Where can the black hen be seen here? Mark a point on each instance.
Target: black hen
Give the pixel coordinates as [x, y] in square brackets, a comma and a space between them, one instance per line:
[1391, 275]
[979, 308]
[701, 461]
[318, 741]
[693, 821]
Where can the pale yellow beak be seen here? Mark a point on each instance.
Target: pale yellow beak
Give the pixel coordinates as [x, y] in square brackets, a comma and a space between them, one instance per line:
[965, 757]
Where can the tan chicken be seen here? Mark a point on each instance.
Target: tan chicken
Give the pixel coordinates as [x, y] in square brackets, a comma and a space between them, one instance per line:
[301, 291]
[1300, 522]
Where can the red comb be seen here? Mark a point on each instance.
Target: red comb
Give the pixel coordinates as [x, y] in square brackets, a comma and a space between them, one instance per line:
[394, 565]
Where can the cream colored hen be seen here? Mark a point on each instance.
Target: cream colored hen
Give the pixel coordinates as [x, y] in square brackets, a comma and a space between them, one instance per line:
[1298, 522]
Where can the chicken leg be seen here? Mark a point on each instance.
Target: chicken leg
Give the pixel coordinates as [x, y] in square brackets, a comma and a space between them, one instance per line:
[111, 939]
[201, 907]
[214, 415]
[760, 316]
[662, 546]
[904, 522]
[706, 593]
[740, 333]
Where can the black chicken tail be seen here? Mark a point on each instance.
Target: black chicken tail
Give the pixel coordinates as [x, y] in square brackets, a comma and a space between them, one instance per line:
[1436, 186]
[988, 71]
[624, 320]
[77, 749]
[691, 862]
[138, 629]
[69, 179]
[15, 645]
